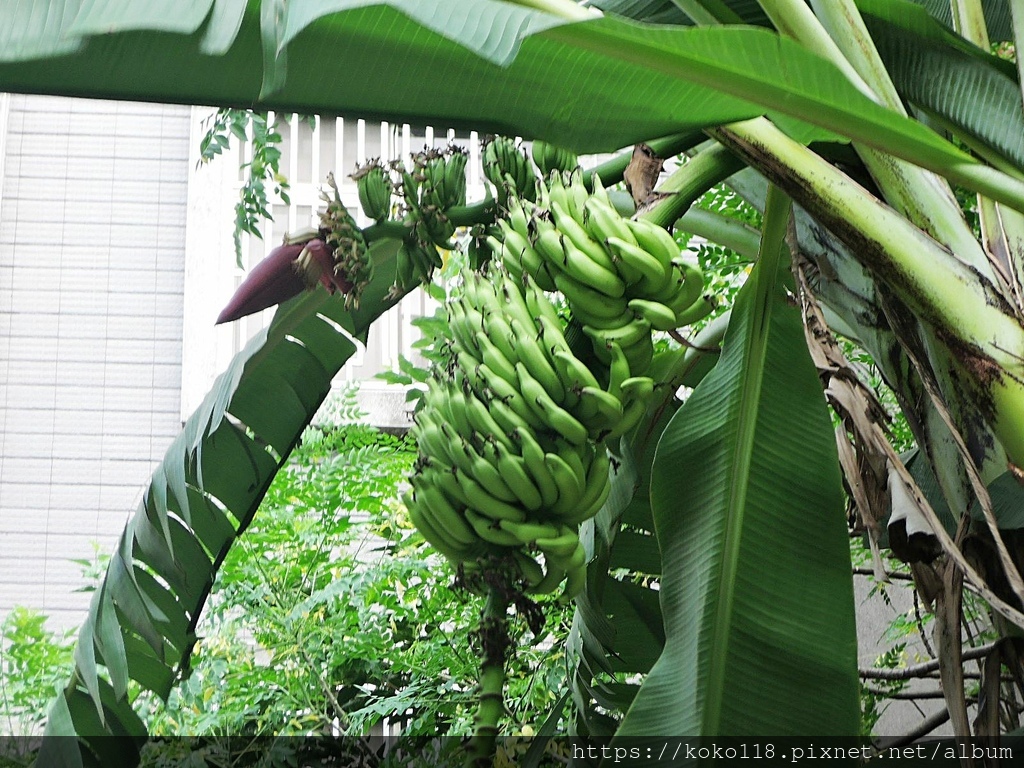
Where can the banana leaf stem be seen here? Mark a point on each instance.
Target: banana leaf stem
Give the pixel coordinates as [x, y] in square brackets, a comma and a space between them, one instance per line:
[491, 707]
[688, 182]
[387, 230]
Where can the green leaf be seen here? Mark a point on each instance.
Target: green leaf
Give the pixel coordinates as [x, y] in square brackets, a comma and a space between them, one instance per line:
[756, 590]
[605, 83]
[103, 17]
[141, 624]
[976, 92]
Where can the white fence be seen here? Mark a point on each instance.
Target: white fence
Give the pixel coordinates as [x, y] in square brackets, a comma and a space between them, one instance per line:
[309, 153]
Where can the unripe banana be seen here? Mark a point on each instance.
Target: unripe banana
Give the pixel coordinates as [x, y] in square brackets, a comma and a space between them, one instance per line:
[562, 546]
[582, 268]
[638, 387]
[553, 576]
[483, 423]
[654, 275]
[574, 373]
[528, 532]
[579, 237]
[535, 359]
[494, 358]
[654, 240]
[604, 410]
[488, 529]
[698, 311]
[575, 583]
[529, 569]
[661, 317]
[374, 187]
[640, 354]
[624, 336]
[514, 470]
[446, 517]
[557, 418]
[570, 489]
[550, 158]
[618, 368]
[533, 457]
[593, 302]
[539, 304]
[483, 503]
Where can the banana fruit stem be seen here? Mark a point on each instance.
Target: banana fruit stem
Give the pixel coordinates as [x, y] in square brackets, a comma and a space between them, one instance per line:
[491, 707]
[711, 166]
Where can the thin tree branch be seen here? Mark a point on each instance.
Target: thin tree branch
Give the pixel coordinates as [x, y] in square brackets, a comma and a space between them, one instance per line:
[920, 670]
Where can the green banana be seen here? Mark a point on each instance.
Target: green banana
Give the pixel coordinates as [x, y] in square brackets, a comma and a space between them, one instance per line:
[618, 368]
[484, 503]
[501, 334]
[510, 396]
[444, 515]
[450, 549]
[603, 221]
[640, 354]
[561, 546]
[582, 268]
[534, 358]
[574, 373]
[654, 274]
[539, 304]
[488, 530]
[660, 316]
[529, 569]
[584, 297]
[697, 311]
[654, 240]
[604, 410]
[483, 423]
[528, 532]
[631, 416]
[579, 237]
[575, 583]
[624, 336]
[570, 489]
[514, 470]
[552, 578]
[533, 457]
[494, 358]
[557, 418]
[638, 387]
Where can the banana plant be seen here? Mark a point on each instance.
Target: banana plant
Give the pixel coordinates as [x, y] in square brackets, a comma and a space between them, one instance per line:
[869, 115]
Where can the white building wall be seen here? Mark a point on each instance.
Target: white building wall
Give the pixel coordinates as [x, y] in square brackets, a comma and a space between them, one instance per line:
[92, 243]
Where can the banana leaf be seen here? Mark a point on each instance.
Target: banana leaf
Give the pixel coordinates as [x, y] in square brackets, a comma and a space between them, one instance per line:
[142, 622]
[756, 591]
[606, 83]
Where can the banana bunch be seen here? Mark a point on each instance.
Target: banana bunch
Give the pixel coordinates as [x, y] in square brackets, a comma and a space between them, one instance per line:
[415, 263]
[508, 436]
[374, 186]
[436, 183]
[345, 240]
[622, 278]
[507, 167]
[550, 158]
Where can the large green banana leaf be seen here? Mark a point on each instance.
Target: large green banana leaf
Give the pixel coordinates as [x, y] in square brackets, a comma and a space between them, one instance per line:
[756, 590]
[142, 621]
[592, 86]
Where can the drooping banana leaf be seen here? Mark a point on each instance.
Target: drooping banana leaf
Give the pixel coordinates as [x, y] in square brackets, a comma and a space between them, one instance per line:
[142, 621]
[605, 83]
[756, 589]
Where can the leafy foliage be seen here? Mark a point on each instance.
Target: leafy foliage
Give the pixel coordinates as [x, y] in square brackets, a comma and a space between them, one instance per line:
[34, 662]
[333, 615]
[261, 170]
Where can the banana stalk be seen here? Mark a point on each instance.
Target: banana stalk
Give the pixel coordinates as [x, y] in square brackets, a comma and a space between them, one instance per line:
[495, 641]
[978, 330]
